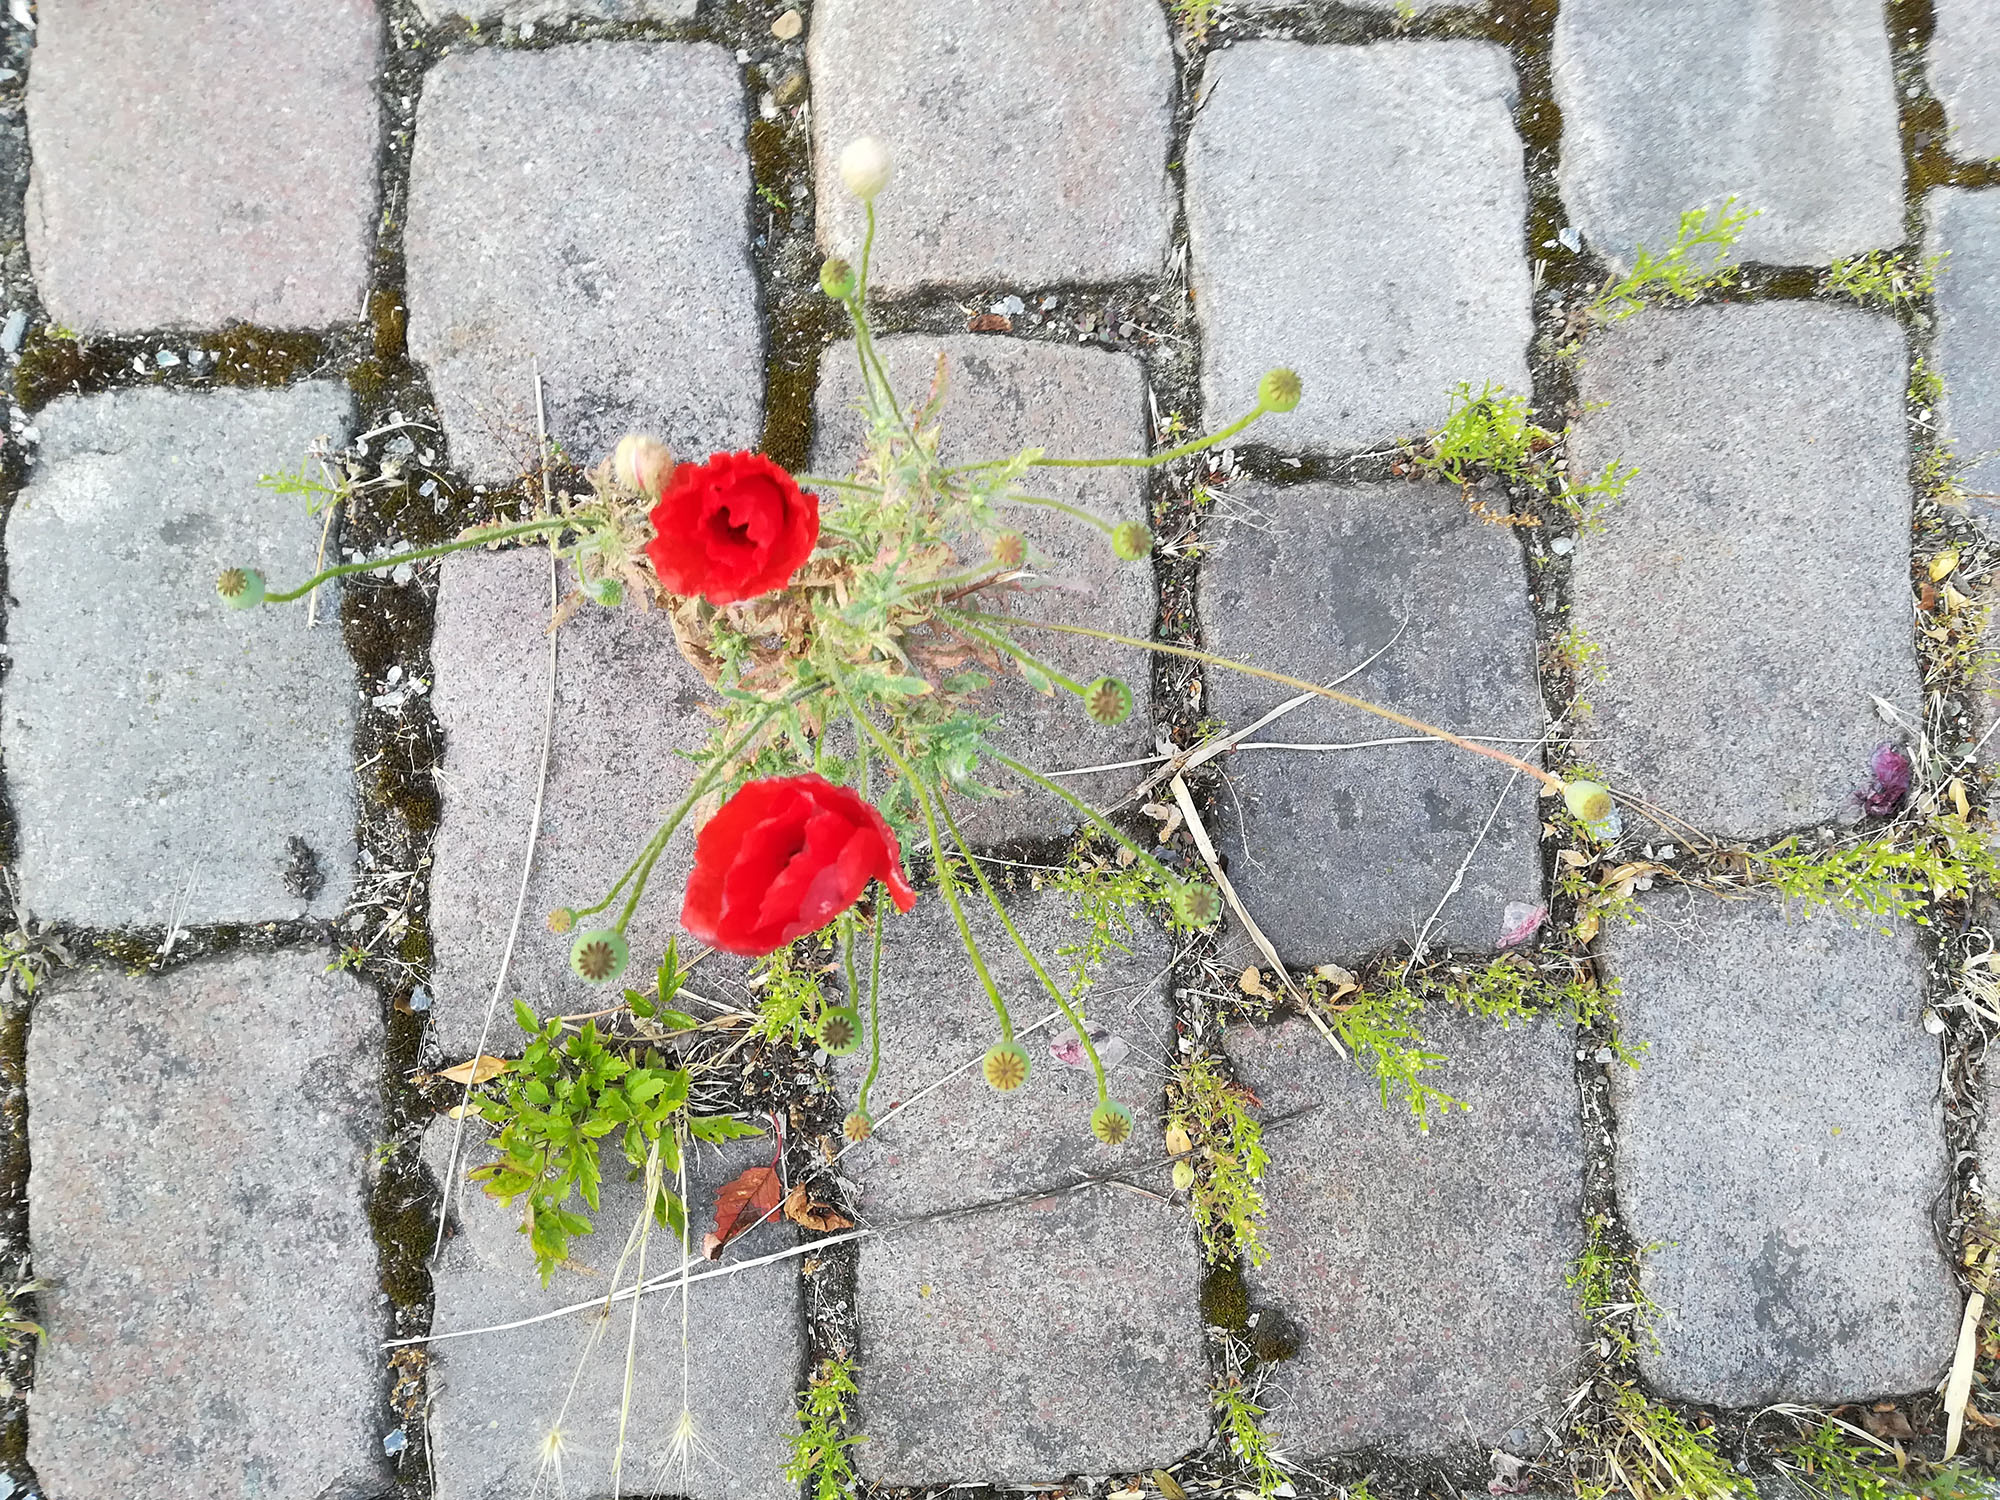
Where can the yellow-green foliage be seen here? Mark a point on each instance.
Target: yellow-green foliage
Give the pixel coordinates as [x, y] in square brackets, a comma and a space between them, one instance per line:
[1226, 1150]
[1243, 1428]
[1491, 433]
[819, 1450]
[791, 1000]
[1836, 1459]
[1892, 874]
[1883, 278]
[1676, 272]
[1647, 1452]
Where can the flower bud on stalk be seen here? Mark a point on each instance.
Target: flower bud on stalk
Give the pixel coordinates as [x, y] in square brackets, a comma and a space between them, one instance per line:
[642, 464]
[864, 167]
[836, 279]
[241, 588]
[1279, 390]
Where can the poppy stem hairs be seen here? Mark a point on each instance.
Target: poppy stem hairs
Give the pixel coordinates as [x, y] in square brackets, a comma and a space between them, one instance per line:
[849, 623]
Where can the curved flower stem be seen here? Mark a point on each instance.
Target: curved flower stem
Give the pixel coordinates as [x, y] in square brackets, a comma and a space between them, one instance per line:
[820, 481]
[650, 854]
[947, 882]
[1147, 461]
[456, 544]
[1160, 872]
[874, 1012]
[1547, 778]
[1021, 946]
[1042, 502]
[1020, 654]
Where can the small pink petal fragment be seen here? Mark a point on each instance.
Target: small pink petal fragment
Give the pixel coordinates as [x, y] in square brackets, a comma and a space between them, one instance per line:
[1067, 1050]
[1889, 781]
[1520, 922]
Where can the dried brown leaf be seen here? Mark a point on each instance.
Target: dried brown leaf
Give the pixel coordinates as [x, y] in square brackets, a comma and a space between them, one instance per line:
[744, 1202]
[801, 1209]
[476, 1070]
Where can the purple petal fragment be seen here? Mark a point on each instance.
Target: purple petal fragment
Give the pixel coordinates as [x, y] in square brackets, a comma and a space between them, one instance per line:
[1889, 781]
[1520, 922]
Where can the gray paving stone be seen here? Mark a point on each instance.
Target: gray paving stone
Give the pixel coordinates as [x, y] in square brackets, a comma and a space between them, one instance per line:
[1966, 225]
[1005, 396]
[1752, 591]
[1424, 1272]
[1356, 213]
[964, 1144]
[499, 1396]
[1030, 146]
[166, 756]
[584, 205]
[1782, 1148]
[198, 1211]
[1964, 62]
[1337, 853]
[1789, 105]
[537, 12]
[626, 702]
[1028, 1343]
[197, 163]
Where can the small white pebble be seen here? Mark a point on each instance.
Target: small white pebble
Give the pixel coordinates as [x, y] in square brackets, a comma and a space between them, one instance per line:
[1562, 545]
[1933, 1023]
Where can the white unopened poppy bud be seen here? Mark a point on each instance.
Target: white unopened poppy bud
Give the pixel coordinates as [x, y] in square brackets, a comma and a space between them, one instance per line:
[864, 167]
[642, 464]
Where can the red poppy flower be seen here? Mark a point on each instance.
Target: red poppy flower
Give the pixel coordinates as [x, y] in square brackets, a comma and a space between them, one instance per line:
[732, 528]
[783, 858]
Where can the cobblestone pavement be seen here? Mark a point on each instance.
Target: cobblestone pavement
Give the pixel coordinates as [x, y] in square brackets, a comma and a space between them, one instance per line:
[236, 237]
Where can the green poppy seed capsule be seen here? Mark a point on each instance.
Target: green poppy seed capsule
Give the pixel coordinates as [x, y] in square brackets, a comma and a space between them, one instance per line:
[1197, 903]
[1589, 800]
[599, 955]
[1183, 1176]
[1131, 541]
[608, 592]
[840, 1029]
[1108, 701]
[240, 588]
[1279, 390]
[857, 1127]
[1006, 1066]
[836, 279]
[1111, 1123]
[1010, 549]
[562, 919]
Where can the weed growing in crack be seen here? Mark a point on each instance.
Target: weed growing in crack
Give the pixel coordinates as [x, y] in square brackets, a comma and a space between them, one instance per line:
[1242, 1423]
[1883, 278]
[1834, 1459]
[819, 1450]
[1106, 897]
[1891, 875]
[1219, 1159]
[1678, 272]
[1492, 433]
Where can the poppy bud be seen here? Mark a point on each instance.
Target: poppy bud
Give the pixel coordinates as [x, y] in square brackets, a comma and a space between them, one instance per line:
[1279, 390]
[1006, 1066]
[1108, 701]
[562, 919]
[1111, 1123]
[608, 592]
[599, 955]
[1591, 803]
[864, 167]
[1131, 541]
[1183, 1176]
[836, 278]
[1010, 549]
[642, 464]
[857, 1127]
[240, 588]
[840, 1030]
[1197, 903]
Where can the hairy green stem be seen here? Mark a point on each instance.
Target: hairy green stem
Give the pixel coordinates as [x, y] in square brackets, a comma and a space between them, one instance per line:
[1149, 461]
[1547, 778]
[1042, 502]
[1021, 946]
[1019, 653]
[457, 544]
[874, 1014]
[946, 881]
[1160, 871]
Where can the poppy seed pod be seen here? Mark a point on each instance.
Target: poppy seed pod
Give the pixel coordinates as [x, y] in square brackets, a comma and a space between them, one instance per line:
[840, 1030]
[562, 919]
[1006, 1066]
[1279, 390]
[836, 279]
[865, 167]
[1108, 701]
[1589, 800]
[857, 1127]
[599, 955]
[1131, 541]
[1197, 904]
[1010, 549]
[641, 464]
[240, 588]
[1111, 1123]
